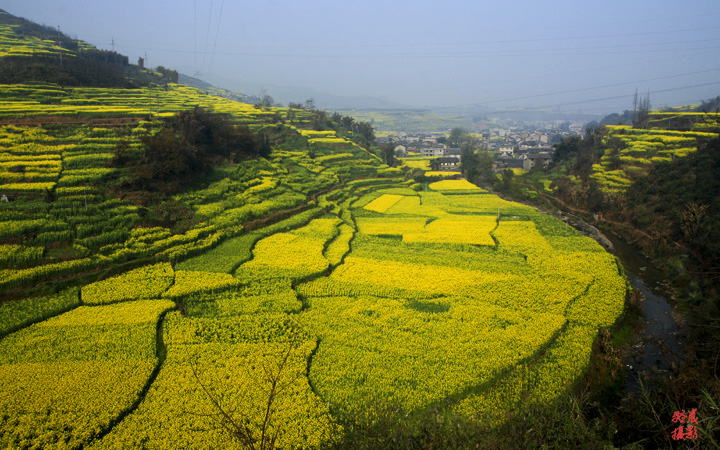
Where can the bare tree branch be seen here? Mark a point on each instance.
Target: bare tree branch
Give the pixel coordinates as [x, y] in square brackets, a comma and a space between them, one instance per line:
[272, 386]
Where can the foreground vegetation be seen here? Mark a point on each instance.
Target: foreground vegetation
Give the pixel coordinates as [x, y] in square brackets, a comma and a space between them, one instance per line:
[317, 248]
[477, 337]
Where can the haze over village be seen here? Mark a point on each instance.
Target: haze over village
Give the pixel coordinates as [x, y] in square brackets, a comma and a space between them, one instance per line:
[515, 146]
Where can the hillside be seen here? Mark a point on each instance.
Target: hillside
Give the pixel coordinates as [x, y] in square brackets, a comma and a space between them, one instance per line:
[56, 173]
[304, 296]
[630, 153]
[33, 53]
[216, 91]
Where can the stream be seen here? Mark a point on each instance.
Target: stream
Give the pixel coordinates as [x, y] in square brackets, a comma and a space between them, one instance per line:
[656, 347]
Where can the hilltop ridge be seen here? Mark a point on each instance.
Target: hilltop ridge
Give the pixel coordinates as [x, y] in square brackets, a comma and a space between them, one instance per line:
[36, 53]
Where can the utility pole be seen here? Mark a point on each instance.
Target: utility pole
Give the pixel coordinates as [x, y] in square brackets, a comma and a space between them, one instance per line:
[113, 43]
[60, 45]
[635, 108]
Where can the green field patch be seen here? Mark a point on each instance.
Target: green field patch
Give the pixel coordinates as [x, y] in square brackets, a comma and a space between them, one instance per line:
[190, 282]
[16, 314]
[145, 282]
[224, 258]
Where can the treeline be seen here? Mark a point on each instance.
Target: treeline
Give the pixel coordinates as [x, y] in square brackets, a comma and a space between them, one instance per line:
[91, 68]
[187, 147]
[678, 202]
[361, 132]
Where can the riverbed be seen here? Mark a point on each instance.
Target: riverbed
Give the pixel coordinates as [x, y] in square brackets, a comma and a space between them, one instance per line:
[656, 347]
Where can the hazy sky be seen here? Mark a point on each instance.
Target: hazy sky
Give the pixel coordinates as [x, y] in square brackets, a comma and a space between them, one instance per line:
[562, 54]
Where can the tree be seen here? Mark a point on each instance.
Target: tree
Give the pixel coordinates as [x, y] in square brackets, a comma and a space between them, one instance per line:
[507, 180]
[319, 120]
[435, 164]
[457, 136]
[264, 148]
[485, 165]
[469, 164]
[365, 131]
[266, 101]
[388, 154]
[347, 122]
[169, 75]
[643, 112]
[167, 163]
[310, 104]
[566, 149]
[189, 145]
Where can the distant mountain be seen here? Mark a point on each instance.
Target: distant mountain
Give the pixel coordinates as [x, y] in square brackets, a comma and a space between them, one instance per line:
[323, 100]
[477, 112]
[408, 120]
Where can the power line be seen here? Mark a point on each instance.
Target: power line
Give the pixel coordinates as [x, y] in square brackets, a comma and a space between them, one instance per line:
[603, 67]
[195, 36]
[217, 33]
[578, 102]
[437, 44]
[207, 36]
[600, 87]
[524, 53]
[468, 43]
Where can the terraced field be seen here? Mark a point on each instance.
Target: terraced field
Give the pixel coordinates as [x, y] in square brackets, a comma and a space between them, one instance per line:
[632, 152]
[366, 288]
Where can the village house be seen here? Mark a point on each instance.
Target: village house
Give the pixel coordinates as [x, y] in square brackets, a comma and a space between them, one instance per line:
[540, 159]
[453, 151]
[502, 164]
[448, 163]
[432, 151]
[521, 153]
[505, 151]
